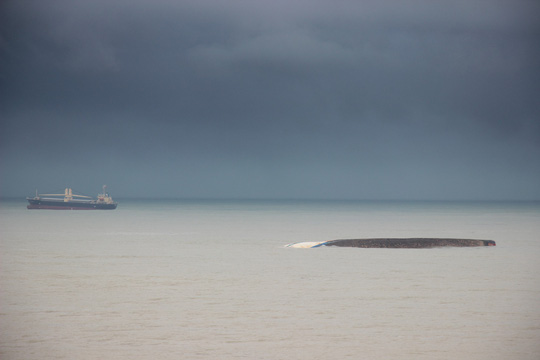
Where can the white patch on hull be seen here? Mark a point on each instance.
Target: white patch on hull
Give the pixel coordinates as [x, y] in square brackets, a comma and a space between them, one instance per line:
[306, 245]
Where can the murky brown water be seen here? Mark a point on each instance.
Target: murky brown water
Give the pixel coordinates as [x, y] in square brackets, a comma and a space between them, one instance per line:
[188, 280]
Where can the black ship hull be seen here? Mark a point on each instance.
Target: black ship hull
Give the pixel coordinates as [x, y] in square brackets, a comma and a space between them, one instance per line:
[69, 205]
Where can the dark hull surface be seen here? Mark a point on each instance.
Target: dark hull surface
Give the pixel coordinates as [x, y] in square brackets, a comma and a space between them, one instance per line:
[414, 243]
[69, 205]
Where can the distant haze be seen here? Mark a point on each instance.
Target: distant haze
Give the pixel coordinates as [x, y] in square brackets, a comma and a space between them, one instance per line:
[275, 99]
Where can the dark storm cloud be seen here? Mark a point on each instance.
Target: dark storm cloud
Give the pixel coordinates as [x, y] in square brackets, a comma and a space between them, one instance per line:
[313, 99]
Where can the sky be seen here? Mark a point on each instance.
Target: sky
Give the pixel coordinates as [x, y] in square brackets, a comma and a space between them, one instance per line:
[323, 99]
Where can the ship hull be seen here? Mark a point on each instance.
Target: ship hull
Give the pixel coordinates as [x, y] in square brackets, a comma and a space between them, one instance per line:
[68, 205]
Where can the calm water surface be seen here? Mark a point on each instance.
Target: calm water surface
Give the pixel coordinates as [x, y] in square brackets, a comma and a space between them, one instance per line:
[212, 280]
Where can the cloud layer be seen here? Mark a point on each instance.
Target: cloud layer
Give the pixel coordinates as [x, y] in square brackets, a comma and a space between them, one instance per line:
[404, 99]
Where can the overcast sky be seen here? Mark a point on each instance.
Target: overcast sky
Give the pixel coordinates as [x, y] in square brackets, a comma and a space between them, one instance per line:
[271, 99]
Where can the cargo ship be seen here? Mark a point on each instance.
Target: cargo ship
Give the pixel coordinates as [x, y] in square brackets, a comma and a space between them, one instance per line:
[70, 201]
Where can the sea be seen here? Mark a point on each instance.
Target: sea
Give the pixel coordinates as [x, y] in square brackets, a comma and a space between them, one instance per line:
[213, 279]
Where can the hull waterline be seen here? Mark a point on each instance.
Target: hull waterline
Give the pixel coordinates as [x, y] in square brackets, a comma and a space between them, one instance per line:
[61, 205]
[71, 207]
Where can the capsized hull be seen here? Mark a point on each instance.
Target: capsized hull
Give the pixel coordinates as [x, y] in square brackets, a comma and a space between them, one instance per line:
[396, 243]
[411, 243]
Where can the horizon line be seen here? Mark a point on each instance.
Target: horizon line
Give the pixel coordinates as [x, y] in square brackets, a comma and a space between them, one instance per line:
[222, 198]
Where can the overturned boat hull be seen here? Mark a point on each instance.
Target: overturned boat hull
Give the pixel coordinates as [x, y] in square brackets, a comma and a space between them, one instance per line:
[414, 243]
[397, 243]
